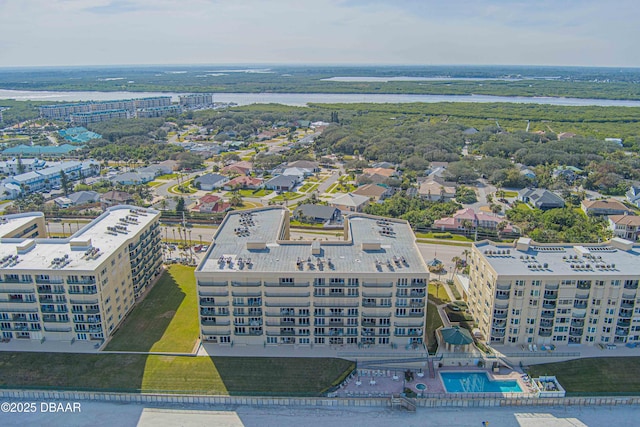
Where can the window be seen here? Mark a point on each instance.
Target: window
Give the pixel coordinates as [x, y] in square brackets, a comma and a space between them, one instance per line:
[272, 340]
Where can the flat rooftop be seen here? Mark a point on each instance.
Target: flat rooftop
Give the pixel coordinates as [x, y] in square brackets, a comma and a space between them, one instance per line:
[615, 258]
[250, 242]
[39, 254]
[9, 223]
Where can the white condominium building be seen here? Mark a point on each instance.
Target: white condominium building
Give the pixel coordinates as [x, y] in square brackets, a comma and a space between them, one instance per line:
[79, 288]
[256, 286]
[542, 294]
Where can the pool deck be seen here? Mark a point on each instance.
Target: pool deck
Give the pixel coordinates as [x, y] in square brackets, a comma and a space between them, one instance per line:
[383, 383]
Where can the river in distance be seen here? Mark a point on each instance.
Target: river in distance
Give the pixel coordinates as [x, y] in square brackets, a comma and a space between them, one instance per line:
[302, 99]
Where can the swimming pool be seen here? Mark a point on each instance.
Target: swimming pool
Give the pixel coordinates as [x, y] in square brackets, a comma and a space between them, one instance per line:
[477, 382]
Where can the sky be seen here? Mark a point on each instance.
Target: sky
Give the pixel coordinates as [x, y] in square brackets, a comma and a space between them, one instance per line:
[403, 32]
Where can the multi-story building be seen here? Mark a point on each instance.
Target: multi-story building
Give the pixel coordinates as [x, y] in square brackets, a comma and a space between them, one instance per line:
[256, 286]
[86, 118]
[158, 111]
[25, 226]
[81, 112]
[79, 288]
[51, 177]
[18, 165]
[196, 100]
[531, 293]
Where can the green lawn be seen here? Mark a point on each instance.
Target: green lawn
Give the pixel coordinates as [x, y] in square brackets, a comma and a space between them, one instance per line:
[308, 187]
[594, 375]
[433, 322]
[166, 320]
[287, 196]
[138, 372]
[254, 193]
[168, 176]
[438, 294]
[510, 193]
[444, 236]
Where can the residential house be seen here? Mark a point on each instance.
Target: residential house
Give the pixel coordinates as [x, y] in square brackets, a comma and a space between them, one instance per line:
[374, 191]
[540, 198]
[464, 217]
[115, 197]
[311, 167]
[51, 177]
[243, 183]
[281, 183]
[633, 195]
[568, 173]
[133, 178]
[528, 173]
[605, 207]
[210, 181]
[349, 202]
[386, 172]
[212, 204]
[384, 165]
[78, 199]
[317, 213]
[625, 226]
[238, 168]
[433, 190]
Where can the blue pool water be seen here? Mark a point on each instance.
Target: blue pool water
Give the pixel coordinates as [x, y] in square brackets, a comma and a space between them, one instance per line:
[477, 382]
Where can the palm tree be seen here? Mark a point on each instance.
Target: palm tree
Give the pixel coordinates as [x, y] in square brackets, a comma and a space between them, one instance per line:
[466, 254]
[467, 225]
[456, 260]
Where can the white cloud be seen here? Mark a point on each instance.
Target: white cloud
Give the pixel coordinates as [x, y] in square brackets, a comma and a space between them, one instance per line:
[77, 32]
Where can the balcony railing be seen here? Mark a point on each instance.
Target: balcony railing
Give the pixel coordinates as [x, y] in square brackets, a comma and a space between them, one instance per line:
[377, 285]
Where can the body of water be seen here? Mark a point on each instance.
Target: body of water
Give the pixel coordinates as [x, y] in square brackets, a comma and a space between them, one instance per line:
[302, 99]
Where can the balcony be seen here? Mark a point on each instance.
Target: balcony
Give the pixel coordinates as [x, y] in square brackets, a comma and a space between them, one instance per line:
[550, 295]
[377, 285]
[549, 305]
[86, 291]
[220, 293]
[287, 295]
[578, 315]
[250, 284]
[622, 332]
[582, 296]
[576, 332]
[577, 323]
[207, 303]
[626, 314]
[627, 304]
[499, 315]
[551, 287]
[547, 314]
[216, 323]
[217, 284]
[50, 290]
[288, 285]
[253, 294]
[497, 334]
[546, 323]
[503, 286]
[282, 323]
[292, 304]
[502, 296]
[332, 303]
[499, 323]
[81, 281]
[245, 314]
[583, 285]
[544, 332]
[376, 304]
[381, 295]
[625, 323]
[631, 284]
[578, 304]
